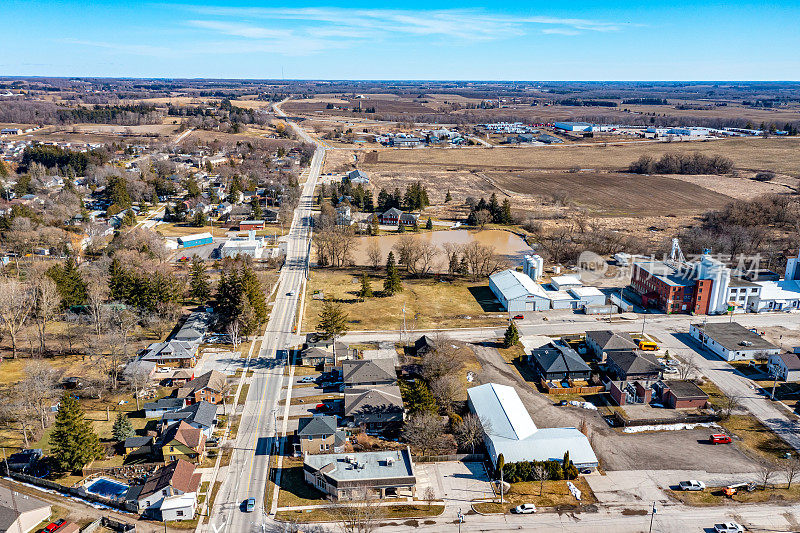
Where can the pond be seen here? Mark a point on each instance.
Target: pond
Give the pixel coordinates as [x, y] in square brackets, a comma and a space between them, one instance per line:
[507, 244]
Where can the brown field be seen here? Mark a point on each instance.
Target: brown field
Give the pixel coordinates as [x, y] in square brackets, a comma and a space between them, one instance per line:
[614, 193]
[776, 154]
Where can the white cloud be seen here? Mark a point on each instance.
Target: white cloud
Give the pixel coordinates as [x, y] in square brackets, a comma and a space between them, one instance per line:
[560, 31]
[241, 30]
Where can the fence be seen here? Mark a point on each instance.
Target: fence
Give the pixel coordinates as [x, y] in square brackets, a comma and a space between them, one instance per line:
[108, 523]
[622, 421]
[463, 457]
[77, 492]
[127, 471]
[550, 389]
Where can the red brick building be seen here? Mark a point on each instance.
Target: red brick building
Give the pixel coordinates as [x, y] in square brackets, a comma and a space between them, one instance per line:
[670, 289]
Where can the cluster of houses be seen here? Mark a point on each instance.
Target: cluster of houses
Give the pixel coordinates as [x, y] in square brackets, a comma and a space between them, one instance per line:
[424, 137]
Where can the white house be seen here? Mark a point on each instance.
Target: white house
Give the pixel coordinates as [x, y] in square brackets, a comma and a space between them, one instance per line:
[731, 341]
[785, 366]
[510, 431]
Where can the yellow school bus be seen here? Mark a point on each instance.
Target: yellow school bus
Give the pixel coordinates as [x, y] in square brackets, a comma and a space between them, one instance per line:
[647, 345]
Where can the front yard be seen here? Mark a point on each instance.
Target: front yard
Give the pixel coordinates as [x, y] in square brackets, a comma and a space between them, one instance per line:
[554, 494]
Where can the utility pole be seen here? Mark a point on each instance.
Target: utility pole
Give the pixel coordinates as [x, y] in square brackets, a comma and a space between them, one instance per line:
[460, 520]
[652, 515]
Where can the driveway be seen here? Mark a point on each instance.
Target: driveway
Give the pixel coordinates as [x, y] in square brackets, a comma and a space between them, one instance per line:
[455, 482]
[685, 449]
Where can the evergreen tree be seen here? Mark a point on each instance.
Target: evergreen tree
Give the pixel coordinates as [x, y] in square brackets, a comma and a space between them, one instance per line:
[258, 213]
[505, 213]
[494, 208]
[73, 441]
[255, 294]
[129, 219]
[199, 284]
[384, 201]
[192, 188]
[199, 220]
[429, 224]
[366, 287]
[71, 287]
[375, 228]
[512, 336]
[448, 197]
[332, 321]
[392, 283]
[418, 398]
[401, 228]
[415, 227]
[122, 428]
[118, 192]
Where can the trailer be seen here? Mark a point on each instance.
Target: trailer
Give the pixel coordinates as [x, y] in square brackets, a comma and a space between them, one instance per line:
[192, 241]
[624, 305]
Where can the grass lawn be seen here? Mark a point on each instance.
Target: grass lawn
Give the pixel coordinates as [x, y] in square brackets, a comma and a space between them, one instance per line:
[554, 493]
[243, 394]
[182, 229]
[714, 496]
[306, 400]
[428, 303]
[294, 491]
[300, 371]
[328, 514]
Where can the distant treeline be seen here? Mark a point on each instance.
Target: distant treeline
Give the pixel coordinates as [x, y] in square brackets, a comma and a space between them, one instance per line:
[587, 103]
[695, 163]
[646, 101]
[29, 112]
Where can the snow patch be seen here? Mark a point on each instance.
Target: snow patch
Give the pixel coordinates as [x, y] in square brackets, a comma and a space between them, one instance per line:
[669, 427]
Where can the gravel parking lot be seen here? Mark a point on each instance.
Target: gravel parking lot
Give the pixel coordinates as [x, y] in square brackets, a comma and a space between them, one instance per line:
[684, 449]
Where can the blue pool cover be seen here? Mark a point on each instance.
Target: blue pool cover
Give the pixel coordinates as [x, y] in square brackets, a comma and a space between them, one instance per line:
[107, 488]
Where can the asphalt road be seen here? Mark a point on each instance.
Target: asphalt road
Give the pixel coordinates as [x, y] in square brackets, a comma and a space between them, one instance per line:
[247, 474]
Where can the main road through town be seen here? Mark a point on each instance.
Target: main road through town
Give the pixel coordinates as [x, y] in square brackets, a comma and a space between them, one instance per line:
[246, 477]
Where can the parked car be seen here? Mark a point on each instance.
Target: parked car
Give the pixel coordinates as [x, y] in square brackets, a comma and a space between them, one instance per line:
[249, 504]
[692, 484]
[519, 317]
[290, 293]
[729, 527]
[719, 438]
[525, 508]
[53, 526]
[308, 379]
[321, 408]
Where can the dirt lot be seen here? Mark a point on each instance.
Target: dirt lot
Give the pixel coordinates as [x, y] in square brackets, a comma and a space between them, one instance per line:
[663, 450]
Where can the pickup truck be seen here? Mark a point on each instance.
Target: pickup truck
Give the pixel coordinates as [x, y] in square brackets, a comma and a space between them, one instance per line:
[692, 484]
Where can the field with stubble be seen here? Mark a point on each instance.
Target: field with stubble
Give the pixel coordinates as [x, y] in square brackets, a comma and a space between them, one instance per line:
[780, 155]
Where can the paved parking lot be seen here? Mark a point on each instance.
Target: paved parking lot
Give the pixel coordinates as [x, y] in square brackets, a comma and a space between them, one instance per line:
[454, 482]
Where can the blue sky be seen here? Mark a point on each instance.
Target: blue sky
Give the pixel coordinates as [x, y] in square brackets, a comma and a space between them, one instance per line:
[512, 40]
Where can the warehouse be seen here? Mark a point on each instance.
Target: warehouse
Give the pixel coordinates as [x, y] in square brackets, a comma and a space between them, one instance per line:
[510, 431]
[732, 341]
[517, 292]
[190, 241]
[573, 126]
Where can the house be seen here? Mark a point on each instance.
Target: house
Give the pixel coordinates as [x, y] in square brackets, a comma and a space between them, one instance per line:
[368, 372]
[557, 361]
[627, 365]
[424, 345]
[405, 142]
[315, 357]
[209, 387]
[160, 407]
[732, 341]
[247, 225]
[408, 219]
[343, 215]
[172, 353]
[391, 217]
[182, 441]
[200, 415]
[785, 366]
[365, 475]
[180, 377]
[357, 176]
[195, 328]
[600, 342]
[177, 478]
[630, 392]
[318, 434]
[20, 512]
[377, 408]
[137, 368]
[342, 350]
[549, 139]
[510, 431]
[682, 395]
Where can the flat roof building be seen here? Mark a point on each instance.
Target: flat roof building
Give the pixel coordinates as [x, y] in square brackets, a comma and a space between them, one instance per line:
[732, 341]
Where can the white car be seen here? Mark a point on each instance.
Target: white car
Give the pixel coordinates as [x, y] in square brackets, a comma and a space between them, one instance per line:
[729, 527]
[692, 484]
[308, 379]
[525, 508]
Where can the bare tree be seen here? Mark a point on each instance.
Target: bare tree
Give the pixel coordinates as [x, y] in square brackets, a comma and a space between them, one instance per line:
[427, 253]
[408, 250]
[124, 321]
[482, 217]
[374, 254]
[112, 362]
[97, 292]
[765, 474]
[233, 329]
[162, 320]
[46, 303]
[791, 467]
[22, 413]
[482, 260]
[470, 431]
[37, 388]
[360, 516]
[73, 331]
[446, 389]
[138, 380]
[422, 430]
[16, 305]
[453, 252]
[429, 495]
[540, 472]
[729, 405]
[687, 369]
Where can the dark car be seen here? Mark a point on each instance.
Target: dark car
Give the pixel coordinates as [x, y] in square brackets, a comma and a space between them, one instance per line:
[249, 505]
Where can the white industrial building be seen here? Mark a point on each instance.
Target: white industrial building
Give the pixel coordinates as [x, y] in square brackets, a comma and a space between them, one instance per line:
[517, 292]
[510, 431]
[248, 246]
[731, 341]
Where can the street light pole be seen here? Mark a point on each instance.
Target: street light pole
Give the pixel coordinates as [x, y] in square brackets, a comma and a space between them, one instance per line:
[652, 515]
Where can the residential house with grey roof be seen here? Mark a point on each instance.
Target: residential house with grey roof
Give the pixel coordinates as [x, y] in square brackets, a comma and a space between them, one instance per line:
[319, 434]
